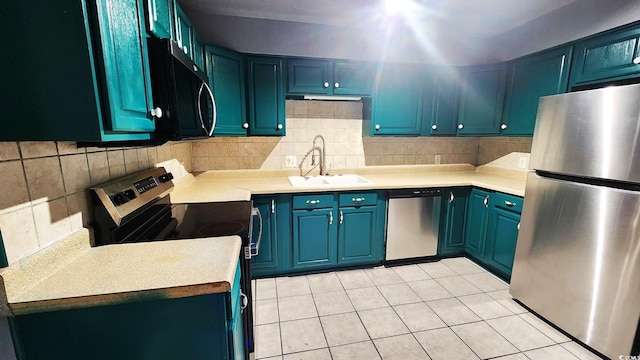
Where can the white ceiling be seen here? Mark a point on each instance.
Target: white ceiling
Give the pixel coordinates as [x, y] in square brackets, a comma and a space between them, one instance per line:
[460, 32]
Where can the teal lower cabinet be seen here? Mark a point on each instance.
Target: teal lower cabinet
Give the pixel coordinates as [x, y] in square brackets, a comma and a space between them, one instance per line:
[196, 327]
[356, 228]
[475, 229]
[314, 237]
[454, 207]
[266, 262]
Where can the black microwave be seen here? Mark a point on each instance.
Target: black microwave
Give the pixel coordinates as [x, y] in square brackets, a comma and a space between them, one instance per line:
[181, 93]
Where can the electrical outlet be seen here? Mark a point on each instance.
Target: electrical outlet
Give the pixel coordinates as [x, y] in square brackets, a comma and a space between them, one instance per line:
[437, 160]
[523, 163]
[290, 161]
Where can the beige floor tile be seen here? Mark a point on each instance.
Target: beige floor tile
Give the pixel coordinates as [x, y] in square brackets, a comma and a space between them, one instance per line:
[382, 322]
[484, 306]
[419, 317]
[266, 311]
[579, 351]
[362, 350]
[403, 347]
[265, 289]
[343, 329]
[296, 307]
[486, 282]
[331, 303]
[322, 283]
[320, 354]
[410, 273]
[458, 286]
[302, 335]
[383, 276]
[292, 286]
[437, 269]
[269, 358]
[397, 294]
[505, 299]
[545, 328]
[518, 356]
[555, 352]
[463, 266]
[444, 344]
[484, 340]
[366, 298]
[429, 290]
[452, 311]
[520, 333]
[267, 340]
[354, 279]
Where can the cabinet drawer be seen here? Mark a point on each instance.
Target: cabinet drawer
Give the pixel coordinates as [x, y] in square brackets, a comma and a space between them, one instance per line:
[317, 201]
[357, 199]
[507, 202]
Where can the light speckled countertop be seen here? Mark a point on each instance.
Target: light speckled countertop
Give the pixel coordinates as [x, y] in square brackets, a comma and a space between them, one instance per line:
[71, 274]
[230, 185]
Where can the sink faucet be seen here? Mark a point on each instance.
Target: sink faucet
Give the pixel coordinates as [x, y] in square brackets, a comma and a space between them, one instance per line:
[323, 153]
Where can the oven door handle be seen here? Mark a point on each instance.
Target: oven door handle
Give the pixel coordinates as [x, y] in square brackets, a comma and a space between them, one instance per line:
[255, 246]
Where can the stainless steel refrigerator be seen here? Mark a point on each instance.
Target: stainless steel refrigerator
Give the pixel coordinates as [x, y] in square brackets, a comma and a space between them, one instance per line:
[577, 261]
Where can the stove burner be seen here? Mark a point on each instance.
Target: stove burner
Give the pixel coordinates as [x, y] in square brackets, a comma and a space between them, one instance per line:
[221, 229]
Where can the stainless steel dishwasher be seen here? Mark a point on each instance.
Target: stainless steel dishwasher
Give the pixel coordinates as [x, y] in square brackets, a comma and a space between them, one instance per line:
[413, 223]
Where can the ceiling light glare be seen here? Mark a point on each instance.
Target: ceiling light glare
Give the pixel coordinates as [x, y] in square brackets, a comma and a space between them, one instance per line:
[395, 7]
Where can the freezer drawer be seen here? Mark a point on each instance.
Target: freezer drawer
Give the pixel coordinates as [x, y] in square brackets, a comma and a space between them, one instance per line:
[577, 260]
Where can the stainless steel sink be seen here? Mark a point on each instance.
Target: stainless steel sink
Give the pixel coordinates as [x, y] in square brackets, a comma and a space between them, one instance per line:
[328, 181]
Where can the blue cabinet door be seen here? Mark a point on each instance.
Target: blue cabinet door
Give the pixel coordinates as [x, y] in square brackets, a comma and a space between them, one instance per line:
[357, 234]
[266, 262]
[608, 57]
[440, 101]
[352, 78]
[502, 236]
[452, 235]
[160, 17]
[225, 69]
[475, 229]
[183, 31]
[530, 78]
[266, 96]
[314, 238]
[198, 52]
[397, 103]
[308, 76]
[481, 99]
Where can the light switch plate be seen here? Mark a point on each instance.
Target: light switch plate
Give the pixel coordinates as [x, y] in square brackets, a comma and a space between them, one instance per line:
[290, 161]
[523, 163]
[437, 160]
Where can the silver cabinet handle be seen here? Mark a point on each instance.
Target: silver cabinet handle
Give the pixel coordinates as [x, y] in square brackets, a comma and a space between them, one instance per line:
[460, 126]
[377, 126]
[336, 85]
[156, 113]
[486, 201]
[245, 125]
[451, 197]
[245, 301]
[509, 203]
[279, 127]
[325, 85]
[503, 126]
[434, 127]
[358, 199]
[273, 206]
[330, 217]
[313, 202]
[341, 217]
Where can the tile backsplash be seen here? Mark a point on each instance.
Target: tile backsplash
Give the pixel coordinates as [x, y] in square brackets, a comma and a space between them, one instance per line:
[44, 196]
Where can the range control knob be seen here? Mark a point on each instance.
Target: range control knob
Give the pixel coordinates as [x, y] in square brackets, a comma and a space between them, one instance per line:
[165, 177]
[119, 199]
[130, 194]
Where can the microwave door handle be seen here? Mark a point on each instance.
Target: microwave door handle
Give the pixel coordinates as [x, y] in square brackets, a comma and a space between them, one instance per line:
[214, 116]
[204, 127]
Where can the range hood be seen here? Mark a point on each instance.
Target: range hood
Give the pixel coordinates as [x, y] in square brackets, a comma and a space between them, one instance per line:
[332, 98]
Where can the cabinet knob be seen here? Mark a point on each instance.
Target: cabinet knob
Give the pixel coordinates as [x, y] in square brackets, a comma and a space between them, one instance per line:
[336, 85]
[460, 126]
[245, 125]
[636, 60]
[156, 113]
[377, 127]
[503, 126]
[195, 68]
[279, 127]
[325, 85]
[185, 49]
[518, 226]
[434, 127]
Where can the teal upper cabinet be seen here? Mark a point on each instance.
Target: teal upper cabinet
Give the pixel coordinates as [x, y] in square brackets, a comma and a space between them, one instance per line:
[397, 103]
[440, 101]
[529, 78]
[183, 33]
[160, 17]
[452, 235]
[225, 69]
[198, 52]
[328, 77]
[606, 58]
[475, 229]
[481, 99]
[266, 96]
[94, 89]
